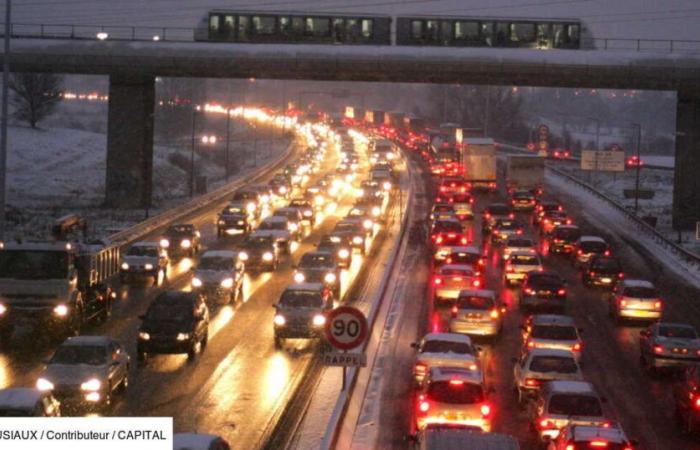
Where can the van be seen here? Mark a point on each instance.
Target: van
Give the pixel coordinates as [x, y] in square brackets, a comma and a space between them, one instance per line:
[450, 437]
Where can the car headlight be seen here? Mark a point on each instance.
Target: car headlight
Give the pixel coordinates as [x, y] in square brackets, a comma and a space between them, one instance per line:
[222, 222]
[196, 282]
[343, 253]
[182, 336]
[386, 185]
[319, 320]
[164, 243]
[91, 385]
[308, 213]
[357, 240]
[125, 266]
[390, 156]
[299, 277]
[250, 207]
[61, 310]
[329, 278]
[376, 210]
[227, 283]
[243, 256]
[3, 309]
[44, 385]
[360, 193]
[367, 224]
[280, 320]
[267, 256]
[293, 227]
[185, 243]
[144, 336]
[282, 190]
[148, 266]
[241, 222]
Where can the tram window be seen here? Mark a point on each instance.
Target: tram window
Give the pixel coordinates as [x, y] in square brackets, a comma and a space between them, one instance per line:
[431, 31]
[522, 33]
[417, 29]
[317, 26]
[339, 32]
[467, 31]
[285, 26]
[243, 22]
[213, 24]
[352, 30]
[446, 32]
[298, 25]
[543, 35]
[501, 34]
[367, 28]
[574, 35]
[263, 25]
[487, 33]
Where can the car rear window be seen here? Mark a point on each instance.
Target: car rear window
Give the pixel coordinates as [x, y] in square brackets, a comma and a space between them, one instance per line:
[608, 445]
[525, 259]
[447, 227]
[671, 331]
[544, 280]
[464, 257]
[545, 364]
[462, 198]
[593, 247]
[498, 210]
[520, 243]
[447, 346]
[444, 208]
[575, 405]
[640, 292]
[451, 272]
[606, 264]
[569, 234]
[473, 302]
[455, 393]
[554, 332]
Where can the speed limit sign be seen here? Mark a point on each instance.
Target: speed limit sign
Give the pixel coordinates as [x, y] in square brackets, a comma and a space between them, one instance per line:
[346, 328]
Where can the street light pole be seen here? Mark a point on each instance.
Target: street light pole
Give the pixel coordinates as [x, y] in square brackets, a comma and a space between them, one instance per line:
[194, 116]
[228, 138]
[3, 120]
[636, 177]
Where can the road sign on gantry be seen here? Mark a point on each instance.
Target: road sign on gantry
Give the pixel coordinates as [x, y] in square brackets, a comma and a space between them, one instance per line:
[346, 328]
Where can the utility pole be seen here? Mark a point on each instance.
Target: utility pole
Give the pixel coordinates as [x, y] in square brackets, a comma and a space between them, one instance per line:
[636, 177]
[3, 125]
[228, 138]
[194, 116]
[488, 110]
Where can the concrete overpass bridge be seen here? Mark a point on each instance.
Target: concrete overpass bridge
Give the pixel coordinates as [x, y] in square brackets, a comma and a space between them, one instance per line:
[133, 65]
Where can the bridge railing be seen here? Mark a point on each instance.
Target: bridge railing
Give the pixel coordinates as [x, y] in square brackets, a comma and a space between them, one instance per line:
[184, 34]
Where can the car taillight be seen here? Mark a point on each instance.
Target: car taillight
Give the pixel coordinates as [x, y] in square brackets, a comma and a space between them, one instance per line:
[546, 221]
[509, 268]
[443, 188]
[487, 215]
[579, 252]
[591, 273]
[481, 261]
[658, 349]
[421, 368]
[471, 200]
[485, 410]
[576, 347]
[423, 406]
[621, 275]
[529, 291]
[454, 311]
[519, 231]
[532, 382]
[570, 447]
[530, 344]
[494, 314]
[623, 303]
[606, 253]
[561, 292]
[696, 402]
[448, 261]
[464, 241]
[545, 423]
[476, 283]
[568, 221]
[511, 216]
[598, 444]
[437, 281]
[658, 305]
[438, 240]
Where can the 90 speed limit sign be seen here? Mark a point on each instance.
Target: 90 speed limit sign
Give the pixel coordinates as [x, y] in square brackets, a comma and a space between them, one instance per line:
[346, 328]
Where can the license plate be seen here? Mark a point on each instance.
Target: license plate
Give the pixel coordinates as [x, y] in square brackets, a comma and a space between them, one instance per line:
[682, 351]
[606, 280]
[473, 316]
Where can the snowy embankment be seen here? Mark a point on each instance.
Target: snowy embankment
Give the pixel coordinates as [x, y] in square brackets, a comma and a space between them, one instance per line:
[58, 171]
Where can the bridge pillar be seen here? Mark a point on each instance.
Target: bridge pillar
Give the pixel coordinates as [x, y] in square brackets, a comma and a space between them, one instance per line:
[130, 141]
[686, 179]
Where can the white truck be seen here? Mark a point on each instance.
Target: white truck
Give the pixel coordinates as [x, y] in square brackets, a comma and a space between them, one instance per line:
[524, 172]
[479, 162]
[55, 287]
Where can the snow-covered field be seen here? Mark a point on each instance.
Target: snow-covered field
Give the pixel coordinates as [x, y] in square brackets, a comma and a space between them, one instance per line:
[659, 160]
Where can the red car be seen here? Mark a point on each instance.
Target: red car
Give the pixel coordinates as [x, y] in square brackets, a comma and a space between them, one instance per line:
[634, 161]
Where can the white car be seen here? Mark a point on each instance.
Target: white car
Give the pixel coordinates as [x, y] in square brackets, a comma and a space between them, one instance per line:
[197, 441]
[144, 259]
[518, 244]
[450, 279]
[445, 350]
[540, 365]
[219, 275]
[519, 264]
[635, 300]
[86, 370]
[28, 402]
[554, 332]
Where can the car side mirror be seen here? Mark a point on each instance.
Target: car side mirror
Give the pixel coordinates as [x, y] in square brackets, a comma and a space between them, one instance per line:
[115, 363]
[580, 330]
[514, 360]
[491, 390]
[412, 438]
[142, 317]
[634, 442]
[414, 345]
[478, 349]
[604, 399]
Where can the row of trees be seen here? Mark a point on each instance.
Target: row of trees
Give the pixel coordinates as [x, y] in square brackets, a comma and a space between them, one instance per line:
[35, 96]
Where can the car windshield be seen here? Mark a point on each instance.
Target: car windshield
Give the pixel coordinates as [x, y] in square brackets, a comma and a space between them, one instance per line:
[670, 331]
[529, 260]
[244, 195]
[544, 280]
[455, 392]
[608, 264]
[311, 260]
[593, 247]
[443, 208]
[234, 210]
[273, 225]
[170, 311]
[475, 302]
[523, 196]
[138, 250]
[16, 412]
[520, 243]
[456, 272]
[444, 226]
[258, 241]
[301, 299]
[92, 355]
[300, 203]
[434, 346]
[181, 229]
[498, 210]
[640, 292]
[568, 234]
[557, 364]
[550, 206]
[464, 257]
[554, 332]
[575, 405]
[215, 263]
[346, 227]
[462, 198]
[33, 265]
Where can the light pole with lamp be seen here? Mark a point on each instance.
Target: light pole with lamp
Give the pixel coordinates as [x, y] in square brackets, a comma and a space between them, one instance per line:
[228, 140]
[195, 110]
[3, 119]
[638, 127]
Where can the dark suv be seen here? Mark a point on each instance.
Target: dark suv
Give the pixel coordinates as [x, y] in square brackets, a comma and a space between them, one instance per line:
[602, 271]
[545, 289]
[175, 322]
[182, 240]
[301, 312]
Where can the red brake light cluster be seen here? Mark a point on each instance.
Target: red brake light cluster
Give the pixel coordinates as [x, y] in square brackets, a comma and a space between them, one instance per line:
[561, 292]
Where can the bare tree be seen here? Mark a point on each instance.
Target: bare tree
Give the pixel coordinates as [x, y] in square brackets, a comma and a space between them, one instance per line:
[36, 95]
[496, 108]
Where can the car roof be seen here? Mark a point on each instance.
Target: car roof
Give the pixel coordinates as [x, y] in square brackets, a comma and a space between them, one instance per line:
[552, 319]
[566, 227]
[486, 293]
[23, 398]
[555, 352]
[465, 249]
[218, 254]
[192, 441]
[587, 238]
[87, 340]
[448, 337]
[637, 283]
[455, 373]
[657, 325]
[275, 218]
[263, 233]
[147, 244]
[574, 387]
[545, 273]
[519, 237]
[448, 219]
[305, 287]
[291, 209]
[586, 433]
[318, 253]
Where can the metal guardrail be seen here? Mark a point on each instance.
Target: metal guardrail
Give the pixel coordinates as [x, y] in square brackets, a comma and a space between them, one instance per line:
[185, 34]
[141, 229]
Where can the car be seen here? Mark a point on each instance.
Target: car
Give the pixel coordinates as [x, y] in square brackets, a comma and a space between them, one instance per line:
[477, 312]
[523, 200]
[602, 271]
[587, 246]
[338, 244]
[251, 199]
[384, 177]
[28, 402]
[353, 230]
[552, 219]
[374, 203]
[259, 250]
[502, 229]
[463, 204]
[668, 345]
[562, 403]
[175, 322]
[442, 211]
[278, 227]
[634, 161]
[363, 213]
[319, 267]
[545, 206]
[606, 437]
[181, 240]
[453, 395]
[86, 371]
[519, 265]
[494, 212]
[219, 276]
[233, 220]
[144, 259]
[686, 395]
[562, 239]
[543, 290]
[306, 208]
[266, 194]
[301, 312]
[554, 332]
[634, 299]
[518, 243]
[468, 255]
[444, 350]
[540, 365]
[280, 186]
[447, 233]
[453, 185]
[450, 279]
[199, 441]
